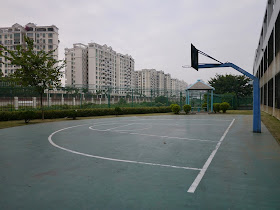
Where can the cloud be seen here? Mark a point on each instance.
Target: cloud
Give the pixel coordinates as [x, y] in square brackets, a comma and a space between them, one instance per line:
[157, 33]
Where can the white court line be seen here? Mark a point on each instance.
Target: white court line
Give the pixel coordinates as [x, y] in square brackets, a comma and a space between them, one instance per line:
[151, 135]
[119, 126]
[188, 119]
[111, 159]
[207, 163]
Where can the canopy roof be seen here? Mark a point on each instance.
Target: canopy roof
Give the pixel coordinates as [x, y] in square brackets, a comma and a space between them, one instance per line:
[200, 85]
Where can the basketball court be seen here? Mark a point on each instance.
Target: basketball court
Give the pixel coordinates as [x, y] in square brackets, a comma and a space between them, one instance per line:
[145, 162]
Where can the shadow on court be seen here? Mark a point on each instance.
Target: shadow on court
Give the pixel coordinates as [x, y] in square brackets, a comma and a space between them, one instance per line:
[159, 162]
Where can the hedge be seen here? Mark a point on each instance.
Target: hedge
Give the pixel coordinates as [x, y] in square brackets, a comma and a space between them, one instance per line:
[52, 114]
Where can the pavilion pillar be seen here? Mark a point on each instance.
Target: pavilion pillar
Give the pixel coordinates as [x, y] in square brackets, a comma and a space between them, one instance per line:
[207, 100]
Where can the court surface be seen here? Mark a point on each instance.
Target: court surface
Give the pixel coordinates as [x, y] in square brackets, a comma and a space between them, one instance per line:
[145, 162]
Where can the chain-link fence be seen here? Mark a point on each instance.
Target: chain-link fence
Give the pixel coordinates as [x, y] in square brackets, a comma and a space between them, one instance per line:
[18, 98]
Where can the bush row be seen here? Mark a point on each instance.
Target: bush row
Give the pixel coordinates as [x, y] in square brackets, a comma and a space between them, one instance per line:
[221, 106]
[52, 114]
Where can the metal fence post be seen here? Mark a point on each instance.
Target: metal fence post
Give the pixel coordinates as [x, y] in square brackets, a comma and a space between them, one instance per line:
[181, 100]
[81, 100]
[132, 97]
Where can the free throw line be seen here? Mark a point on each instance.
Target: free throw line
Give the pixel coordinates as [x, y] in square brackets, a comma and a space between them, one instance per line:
[207, 163]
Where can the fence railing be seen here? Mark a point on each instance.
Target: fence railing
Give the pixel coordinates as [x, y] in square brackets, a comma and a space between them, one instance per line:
[19, 98]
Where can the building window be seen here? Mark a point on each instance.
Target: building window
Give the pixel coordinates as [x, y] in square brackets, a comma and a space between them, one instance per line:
[50, 47]
[270, 48]
[50, 35]
[50, 41]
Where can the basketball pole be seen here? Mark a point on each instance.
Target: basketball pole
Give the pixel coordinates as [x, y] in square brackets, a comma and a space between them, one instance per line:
[256, 91]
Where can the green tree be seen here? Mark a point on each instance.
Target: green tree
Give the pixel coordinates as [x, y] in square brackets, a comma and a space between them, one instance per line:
[35, 69]
[238, 84]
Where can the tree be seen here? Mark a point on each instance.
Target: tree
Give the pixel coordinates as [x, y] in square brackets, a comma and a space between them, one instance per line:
[238, 84]
[35, 69]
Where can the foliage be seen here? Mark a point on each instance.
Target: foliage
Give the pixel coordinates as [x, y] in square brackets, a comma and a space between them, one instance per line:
[187, 108]
[158, 104]
[238, 84]
[53, 114]
[73, 114]
[118, 110]
[224, 106]
[35, 69]
[216, 107]
[161, 99]
[204, 106]
[176, 109]
[27, 115]
[172, 105]
[122, 101]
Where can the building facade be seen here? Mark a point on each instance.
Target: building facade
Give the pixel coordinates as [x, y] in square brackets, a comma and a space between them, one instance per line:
[150, 82]
[98, 67]
[45, 38]
[267, 59]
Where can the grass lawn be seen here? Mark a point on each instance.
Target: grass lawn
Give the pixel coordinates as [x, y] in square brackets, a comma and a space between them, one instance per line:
[272, 124]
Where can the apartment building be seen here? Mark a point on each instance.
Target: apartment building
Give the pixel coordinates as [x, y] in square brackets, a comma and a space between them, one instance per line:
[167, 84]
[102, 65]
[150, 82]
[124, 72]
[267, 59]
[102, 68]
[45, 38]
[76, 62]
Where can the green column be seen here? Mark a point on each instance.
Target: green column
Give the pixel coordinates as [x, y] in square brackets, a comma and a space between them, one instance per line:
[132, 97]
[211, 100]
[181, 100]
[81, 100]
[207, 100]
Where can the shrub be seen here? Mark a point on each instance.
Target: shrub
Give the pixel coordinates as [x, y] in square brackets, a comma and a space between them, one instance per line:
[118, 110]
[52, 114]
[172, 106]
[73, 114]
[158, 104]
[216, 107]
[176, 109]
[27, 115]
[204, 106]
[187, 108]
[224, 106]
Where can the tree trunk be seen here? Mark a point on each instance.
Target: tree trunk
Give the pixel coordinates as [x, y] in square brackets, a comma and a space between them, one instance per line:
[42, 106]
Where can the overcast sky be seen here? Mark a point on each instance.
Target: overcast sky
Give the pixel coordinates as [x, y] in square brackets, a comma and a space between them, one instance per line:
[156, 33]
